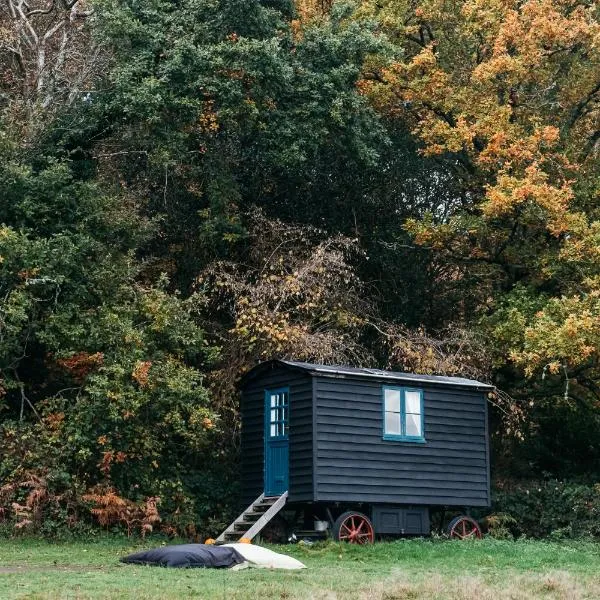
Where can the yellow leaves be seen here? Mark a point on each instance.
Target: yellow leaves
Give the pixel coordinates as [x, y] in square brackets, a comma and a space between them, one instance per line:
[208, 122]
[510, 193]
[504, 65]
[296, 295]
[264, 325]
[522, 36]
[509, 148]
[549, 135]
[441, 137]
[311, 9]
[7, 233]
[425, 61]
[566, 333]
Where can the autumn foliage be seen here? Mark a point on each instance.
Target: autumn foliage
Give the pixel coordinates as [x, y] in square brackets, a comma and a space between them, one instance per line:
[189, 188]
[110, 509]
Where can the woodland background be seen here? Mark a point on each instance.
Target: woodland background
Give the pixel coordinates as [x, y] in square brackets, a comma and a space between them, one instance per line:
[190, 186]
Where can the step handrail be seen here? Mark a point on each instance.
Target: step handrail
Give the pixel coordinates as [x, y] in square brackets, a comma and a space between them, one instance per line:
[269, 514]
[260, 523]
[240, 518]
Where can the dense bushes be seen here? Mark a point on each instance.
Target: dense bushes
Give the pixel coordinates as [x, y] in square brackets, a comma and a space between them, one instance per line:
[546, 509]
[101, 368]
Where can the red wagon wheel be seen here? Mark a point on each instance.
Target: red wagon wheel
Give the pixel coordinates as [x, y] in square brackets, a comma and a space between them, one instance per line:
[354, 528]
[463, 527]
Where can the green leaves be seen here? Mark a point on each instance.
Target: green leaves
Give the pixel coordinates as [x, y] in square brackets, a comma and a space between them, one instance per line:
[99, 372]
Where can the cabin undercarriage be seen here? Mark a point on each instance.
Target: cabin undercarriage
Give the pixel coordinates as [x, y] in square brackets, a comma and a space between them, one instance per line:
[275, 520]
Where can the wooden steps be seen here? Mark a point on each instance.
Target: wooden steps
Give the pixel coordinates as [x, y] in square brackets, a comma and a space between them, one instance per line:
[251, 522]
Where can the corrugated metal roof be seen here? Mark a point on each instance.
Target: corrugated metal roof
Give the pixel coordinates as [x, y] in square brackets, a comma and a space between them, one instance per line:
[342, 371]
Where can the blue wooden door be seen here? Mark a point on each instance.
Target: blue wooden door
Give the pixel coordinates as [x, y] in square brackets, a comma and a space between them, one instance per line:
[276, 441]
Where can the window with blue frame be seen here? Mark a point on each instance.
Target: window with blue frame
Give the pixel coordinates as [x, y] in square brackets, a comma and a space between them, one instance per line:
[277, 415]
[403, 416]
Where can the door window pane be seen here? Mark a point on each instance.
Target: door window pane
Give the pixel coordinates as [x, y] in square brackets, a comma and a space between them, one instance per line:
[277, 414]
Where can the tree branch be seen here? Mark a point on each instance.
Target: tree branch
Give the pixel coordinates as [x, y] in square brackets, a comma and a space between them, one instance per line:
[42, 11]
[579, 109]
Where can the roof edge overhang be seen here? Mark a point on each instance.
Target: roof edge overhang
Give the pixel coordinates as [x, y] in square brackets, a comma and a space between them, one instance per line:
[340, 372]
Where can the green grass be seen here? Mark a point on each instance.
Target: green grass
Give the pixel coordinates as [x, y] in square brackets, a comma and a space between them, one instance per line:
[405, 569]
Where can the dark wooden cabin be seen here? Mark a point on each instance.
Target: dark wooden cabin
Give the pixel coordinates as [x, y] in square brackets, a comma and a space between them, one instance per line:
[387, 442]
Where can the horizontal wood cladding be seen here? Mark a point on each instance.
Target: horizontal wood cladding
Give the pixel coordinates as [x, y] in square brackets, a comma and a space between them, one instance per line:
[300, 433]
[355, 463]
[350, 494]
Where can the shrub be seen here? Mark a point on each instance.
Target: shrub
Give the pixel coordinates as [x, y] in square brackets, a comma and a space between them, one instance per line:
[110, 509]
[552, 508]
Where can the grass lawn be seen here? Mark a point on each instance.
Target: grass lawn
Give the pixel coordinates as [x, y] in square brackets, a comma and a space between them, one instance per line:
[405, 569]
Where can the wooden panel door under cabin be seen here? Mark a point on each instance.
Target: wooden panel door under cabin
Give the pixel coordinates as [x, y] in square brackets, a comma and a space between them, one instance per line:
[276, 441]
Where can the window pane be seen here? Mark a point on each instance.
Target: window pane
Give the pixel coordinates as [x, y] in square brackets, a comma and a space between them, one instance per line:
[392, 400]
[273, 400]
[273, 430]
[392, 423]
[413, 425]
[273, 415]
[413, 402]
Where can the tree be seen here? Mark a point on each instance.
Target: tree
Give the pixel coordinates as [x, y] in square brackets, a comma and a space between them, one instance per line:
[506, 94]
[47, 55]
[100, 375]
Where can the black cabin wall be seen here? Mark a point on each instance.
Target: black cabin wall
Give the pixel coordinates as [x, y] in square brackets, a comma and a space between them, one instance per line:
[354, 463]
[300, 433]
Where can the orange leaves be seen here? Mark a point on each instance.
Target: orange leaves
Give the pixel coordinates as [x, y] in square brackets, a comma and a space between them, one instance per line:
[140, 372]
[510, 91]
[111, 509]
[523, 36]
[105, 464]
[27, 512]
[109, 457]
[508, 149]
[54, 421]
[483, 69]
[81, 364]
[208, 121]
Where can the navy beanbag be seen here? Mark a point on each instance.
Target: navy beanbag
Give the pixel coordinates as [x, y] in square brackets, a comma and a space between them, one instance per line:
[186, 556]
